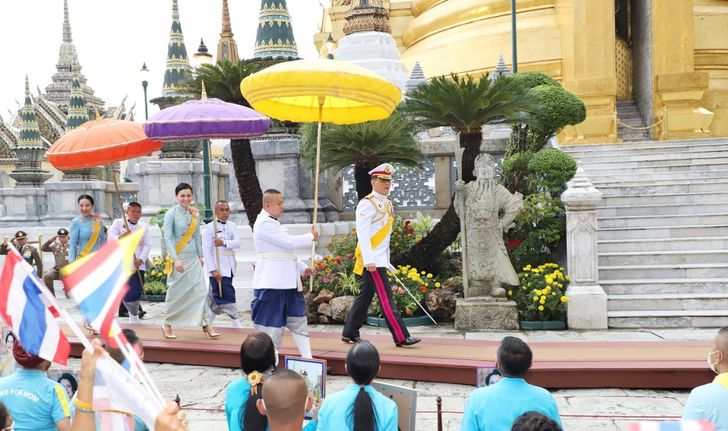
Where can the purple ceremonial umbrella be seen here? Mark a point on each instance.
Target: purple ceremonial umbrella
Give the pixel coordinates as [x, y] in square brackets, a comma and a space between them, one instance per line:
[206, 119]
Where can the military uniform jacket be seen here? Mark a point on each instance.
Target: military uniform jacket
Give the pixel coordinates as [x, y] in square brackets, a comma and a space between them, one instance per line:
[145, 245]
[60, 252]
[29, 253]
[276, 264]
[228, 232]
[372, 213]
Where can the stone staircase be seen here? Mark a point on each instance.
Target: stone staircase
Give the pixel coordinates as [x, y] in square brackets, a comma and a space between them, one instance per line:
[629, 114]
[663, 231]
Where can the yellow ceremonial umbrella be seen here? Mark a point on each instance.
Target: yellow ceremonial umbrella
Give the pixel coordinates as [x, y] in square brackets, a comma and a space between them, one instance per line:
[320, 90]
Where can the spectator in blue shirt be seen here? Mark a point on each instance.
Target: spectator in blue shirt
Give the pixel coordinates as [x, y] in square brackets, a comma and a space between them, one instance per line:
[285, 401]
[36, 402]
[710, 402]
[359, 407]
[495, 408]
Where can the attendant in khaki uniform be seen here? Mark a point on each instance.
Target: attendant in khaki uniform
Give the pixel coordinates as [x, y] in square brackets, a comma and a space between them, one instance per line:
[220, 265]
[58, 245]
[278, 301]
[29, 253]
[374, 220]
[119, 229]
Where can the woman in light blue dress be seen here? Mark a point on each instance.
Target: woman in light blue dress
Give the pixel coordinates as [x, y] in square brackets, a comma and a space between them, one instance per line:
[359, 407]
[87, 232]
[186, 301]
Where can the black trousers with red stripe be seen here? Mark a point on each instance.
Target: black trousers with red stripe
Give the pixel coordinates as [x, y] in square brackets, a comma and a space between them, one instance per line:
[375, 282]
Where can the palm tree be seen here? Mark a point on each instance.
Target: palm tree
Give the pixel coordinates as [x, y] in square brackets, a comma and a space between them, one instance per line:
[466, 104]
[365, 145]
[222, 81]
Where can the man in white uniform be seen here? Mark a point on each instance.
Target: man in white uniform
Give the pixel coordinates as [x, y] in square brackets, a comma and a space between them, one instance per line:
[374, 220]
[220, 265]
[278, 301]
[118, 229]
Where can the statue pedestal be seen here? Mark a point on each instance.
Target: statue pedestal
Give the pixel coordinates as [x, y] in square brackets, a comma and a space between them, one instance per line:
[485, 313]
[22, 206]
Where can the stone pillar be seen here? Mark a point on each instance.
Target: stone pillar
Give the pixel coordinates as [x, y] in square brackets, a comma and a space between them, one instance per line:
[22, 206]
[587, 301]
[63, 205]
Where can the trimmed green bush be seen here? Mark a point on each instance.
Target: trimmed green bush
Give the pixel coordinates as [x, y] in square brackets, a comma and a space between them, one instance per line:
[534, 79]
[560, 108]
[515, 173]
[550, 169]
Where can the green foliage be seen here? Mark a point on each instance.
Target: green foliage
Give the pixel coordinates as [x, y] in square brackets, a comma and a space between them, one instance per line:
[422, 225]
[391, 140]
[560, 108]
[418, 283]
[542, 293]
[538, 230]
[222, 81]
[466, 103]
[515, 174]
[534, 79]
[155, 288]
[155, 280]
[550, 169]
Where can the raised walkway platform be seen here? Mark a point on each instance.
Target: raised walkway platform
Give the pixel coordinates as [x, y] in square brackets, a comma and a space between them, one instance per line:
[662, 364]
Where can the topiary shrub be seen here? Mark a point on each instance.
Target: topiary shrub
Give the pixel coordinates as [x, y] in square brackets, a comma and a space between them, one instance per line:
[515, 173]
[534, 79]
[550, 169]
[560, 108]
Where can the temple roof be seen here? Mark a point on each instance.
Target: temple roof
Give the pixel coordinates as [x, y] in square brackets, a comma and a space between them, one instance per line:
[416, 78]
[59, 90]
[29, 135]
[366, 15]
[275, 34]
[77, 113]
[178, 66]
[227, 49]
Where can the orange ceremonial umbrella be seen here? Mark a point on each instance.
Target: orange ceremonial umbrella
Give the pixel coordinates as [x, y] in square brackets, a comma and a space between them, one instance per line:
[100, 142]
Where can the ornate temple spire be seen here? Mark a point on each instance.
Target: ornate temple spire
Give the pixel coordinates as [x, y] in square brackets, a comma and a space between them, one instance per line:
[29, 149]
[500, 70]
[227, 49]
[59, 90]
[275, 34]
[178, 66]
[416, 78]
[366, 15]
[77, 111]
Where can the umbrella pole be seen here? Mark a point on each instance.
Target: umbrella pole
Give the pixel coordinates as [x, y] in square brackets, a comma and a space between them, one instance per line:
[321, 100]
[213, 204]
[126, 224]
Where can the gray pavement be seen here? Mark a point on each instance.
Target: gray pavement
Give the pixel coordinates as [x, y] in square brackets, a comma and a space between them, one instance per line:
[202, 389]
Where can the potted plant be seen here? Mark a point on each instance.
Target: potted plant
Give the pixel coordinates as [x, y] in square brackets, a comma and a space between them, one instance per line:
[155, 281]
[541, 297]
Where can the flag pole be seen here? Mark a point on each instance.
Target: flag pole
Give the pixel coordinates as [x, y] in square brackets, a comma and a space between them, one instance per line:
[146, 380]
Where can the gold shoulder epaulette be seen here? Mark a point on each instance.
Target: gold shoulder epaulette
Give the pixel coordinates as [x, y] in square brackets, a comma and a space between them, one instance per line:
[369, 196]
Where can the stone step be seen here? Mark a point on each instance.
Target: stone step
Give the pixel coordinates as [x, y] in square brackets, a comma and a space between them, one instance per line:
[665, 244]
[663, 220]
[693, 257]
[665, 286]
[634, 137]
[677, 301]
[665, 146]
[665, 199]
[647, 271]
[644, 157]
[668, 319]
[616, 178]
[661, 210]
[659, 232]
[608, 150]
[677, 160]
[644, 188]
[676, 168]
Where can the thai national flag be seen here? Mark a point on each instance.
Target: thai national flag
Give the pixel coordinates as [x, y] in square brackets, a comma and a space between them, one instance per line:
[27, 308]
[98, 283]
[671, 426]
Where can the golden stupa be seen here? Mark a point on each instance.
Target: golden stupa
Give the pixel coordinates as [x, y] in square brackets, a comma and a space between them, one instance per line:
[669, 56]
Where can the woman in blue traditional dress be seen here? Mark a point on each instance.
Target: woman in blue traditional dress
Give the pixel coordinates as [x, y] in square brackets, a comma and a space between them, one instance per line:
[87, 232]
[186, 301]
[87, 235]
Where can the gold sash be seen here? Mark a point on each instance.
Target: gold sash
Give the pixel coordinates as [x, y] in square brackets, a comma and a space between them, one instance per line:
[94, 237]
[169, 263]
[722, 379]
[377, 239]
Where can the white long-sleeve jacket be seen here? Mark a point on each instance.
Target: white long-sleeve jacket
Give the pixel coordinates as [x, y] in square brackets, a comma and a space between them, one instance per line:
[276, 264]
[372, 213]
[145, 245]
[228, 232]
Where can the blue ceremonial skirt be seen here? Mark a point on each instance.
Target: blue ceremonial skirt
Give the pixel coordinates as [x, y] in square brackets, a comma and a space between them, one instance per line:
[228, 291]
[135, 288]
[272, 307]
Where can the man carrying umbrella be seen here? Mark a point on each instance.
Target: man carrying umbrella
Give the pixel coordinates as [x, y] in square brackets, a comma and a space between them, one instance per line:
[374, 220]
[219, 240]
[119, 229]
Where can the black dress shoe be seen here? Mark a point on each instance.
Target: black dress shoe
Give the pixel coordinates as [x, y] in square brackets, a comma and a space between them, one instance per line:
[408, 342]
[141, 312]
[350, 340]
[123, 312]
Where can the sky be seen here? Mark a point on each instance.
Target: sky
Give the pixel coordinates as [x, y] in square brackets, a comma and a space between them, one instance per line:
[114, 38]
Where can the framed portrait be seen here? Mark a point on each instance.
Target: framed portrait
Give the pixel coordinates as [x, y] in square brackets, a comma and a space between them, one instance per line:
[313, 372]
[68, 379]
[406, 400]
[487, 377]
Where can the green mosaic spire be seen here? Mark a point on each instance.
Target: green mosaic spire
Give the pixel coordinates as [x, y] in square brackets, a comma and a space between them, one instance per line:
[178, 66]
[29, 136]
[275, 34]
[77, 112]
